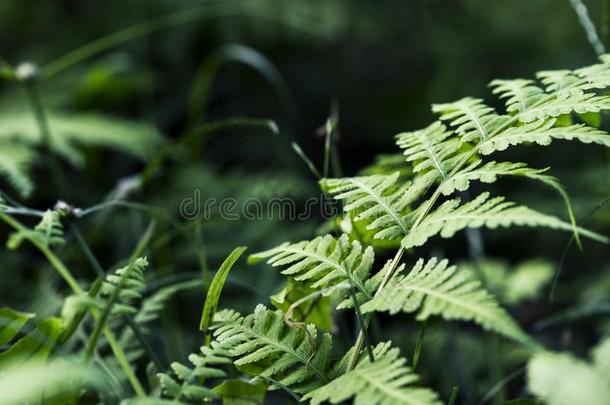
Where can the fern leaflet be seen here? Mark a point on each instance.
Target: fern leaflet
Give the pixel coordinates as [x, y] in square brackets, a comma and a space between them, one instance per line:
[385, 381]
[520, 94]
[325, 262]
[543, 133]
[451, 217]
[295, 358]
[429, 148]
[377, 199]
[433, 288]
[185, 383]
[488, 173]
[471, 117]
[49, 232]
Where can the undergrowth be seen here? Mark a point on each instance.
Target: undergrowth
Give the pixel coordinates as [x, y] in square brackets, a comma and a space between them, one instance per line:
[368, 263]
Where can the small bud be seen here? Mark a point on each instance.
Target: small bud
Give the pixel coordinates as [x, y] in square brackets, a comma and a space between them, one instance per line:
[26, 71]
[66, 210]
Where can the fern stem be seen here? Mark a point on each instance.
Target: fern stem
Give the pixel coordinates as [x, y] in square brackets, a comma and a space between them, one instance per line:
[137, 331]
[101, 321]
[55, 262]
[360, 340]
[588, 26]
[124, 362]
[366, 339]
[84, 246]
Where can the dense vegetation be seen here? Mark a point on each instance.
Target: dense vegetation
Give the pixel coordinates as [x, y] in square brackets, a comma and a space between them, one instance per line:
[409, 280]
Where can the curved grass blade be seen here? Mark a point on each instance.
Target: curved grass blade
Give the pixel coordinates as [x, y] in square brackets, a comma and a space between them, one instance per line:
[211, 300]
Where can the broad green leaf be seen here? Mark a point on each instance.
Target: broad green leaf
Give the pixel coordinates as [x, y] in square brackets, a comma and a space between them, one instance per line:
[11, 322]
[36, 345]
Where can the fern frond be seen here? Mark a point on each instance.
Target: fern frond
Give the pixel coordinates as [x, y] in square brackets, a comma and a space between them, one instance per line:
[185, 382]
[596, 76]
[543, 133]
[385, 381]
[592, 77]
[324, 263]
[451, 217]
[471, 117]
[378, 200]
[129, 281]
[149, 311]
[49, 231]
[487, 173]
[429, 147]
[561, 81]
[562, 379]
[520, 94]
[295, 358]
[565, 103]
[434, 288]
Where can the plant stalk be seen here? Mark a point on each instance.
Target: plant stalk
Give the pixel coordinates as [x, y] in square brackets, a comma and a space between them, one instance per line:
[76, 288]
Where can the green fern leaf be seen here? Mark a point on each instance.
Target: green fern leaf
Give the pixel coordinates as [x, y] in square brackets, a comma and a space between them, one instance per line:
[543, 133]
[185, 381]
[433, 288]
[471, 117]
[296, 358]
[49, 232]
[129, 281]
[378, 200]
[149, 311]
[592, 77]
[565, 103]
[126, 282]
[561, 81]
[520, 94]
[324, 263]
[429, 148]
[385, 381]
[451, 217]
[487, 173]
[596, 76]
